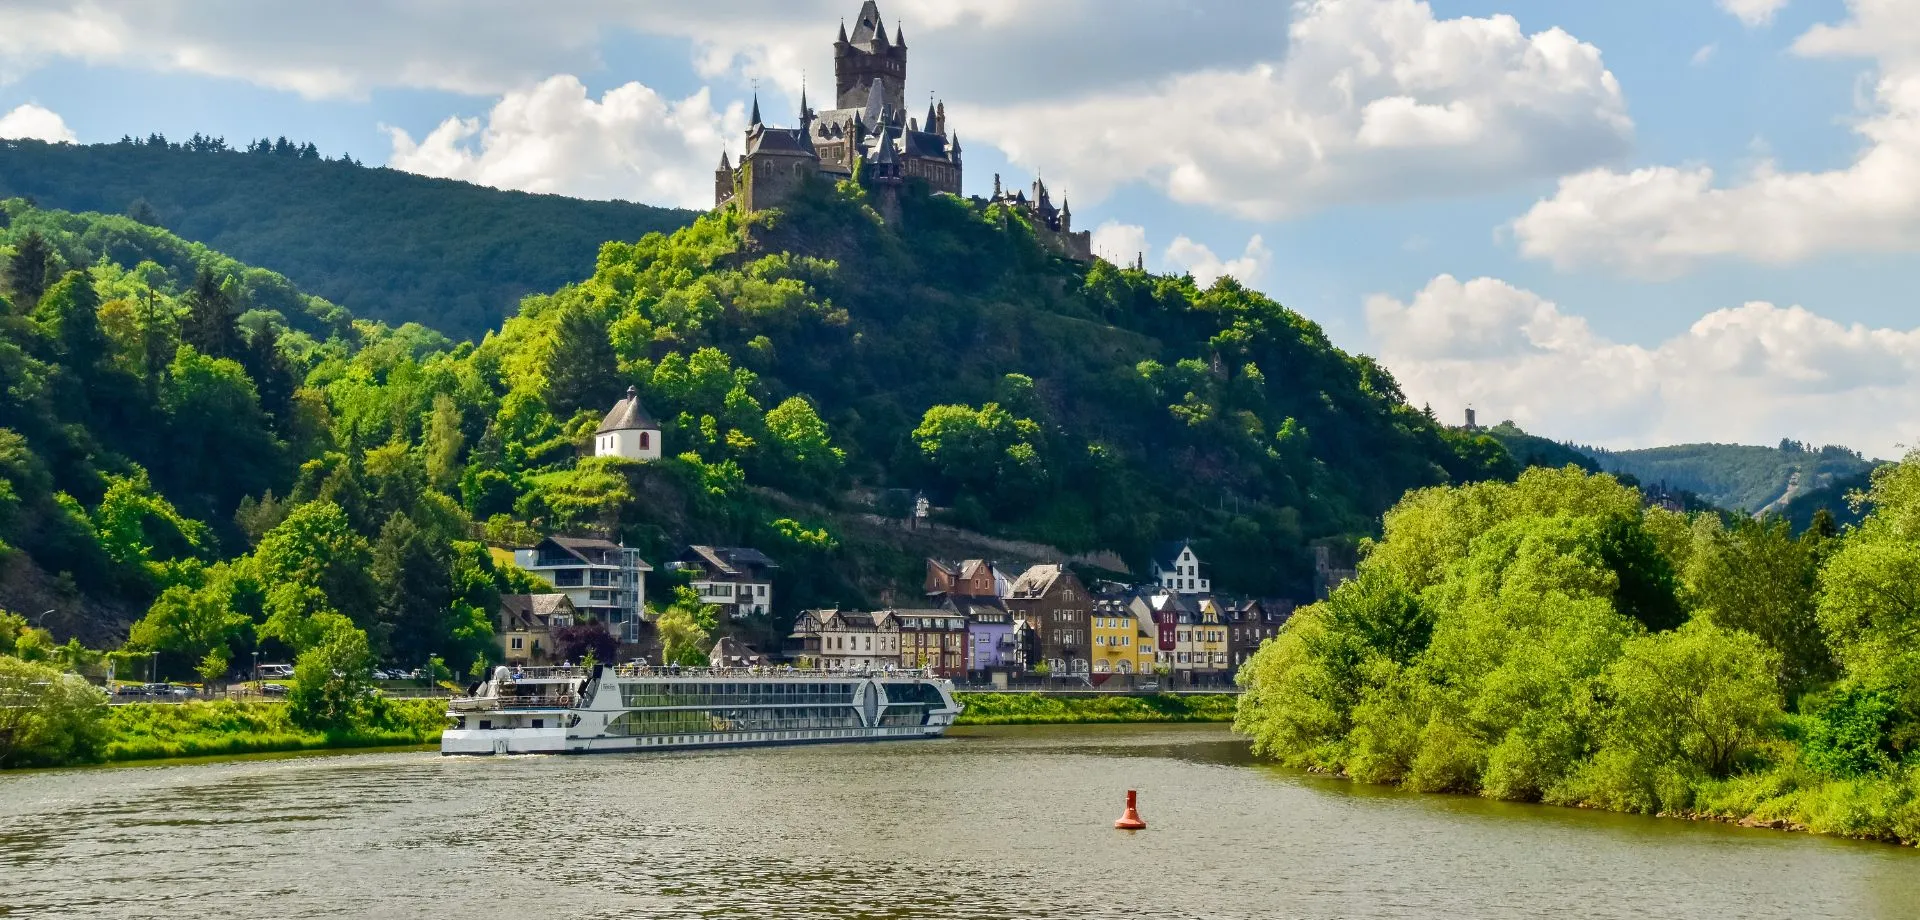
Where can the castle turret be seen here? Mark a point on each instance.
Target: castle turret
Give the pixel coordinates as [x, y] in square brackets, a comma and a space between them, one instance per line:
[723, 181]
[866, 56]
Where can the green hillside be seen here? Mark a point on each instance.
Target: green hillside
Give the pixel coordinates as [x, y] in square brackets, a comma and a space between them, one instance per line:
[1533, 450]
[394, 246]
[1739, 477]
[192, 439]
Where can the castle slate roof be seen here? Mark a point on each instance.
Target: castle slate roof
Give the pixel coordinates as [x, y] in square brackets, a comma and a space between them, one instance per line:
[923, 144]
[629, 415]
[779, 140]
[868, 25]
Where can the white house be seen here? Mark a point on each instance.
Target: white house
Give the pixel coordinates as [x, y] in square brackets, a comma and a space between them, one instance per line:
[604, 580]
[736, 579]
[843, 640]
[1177, 569]
[628, 431]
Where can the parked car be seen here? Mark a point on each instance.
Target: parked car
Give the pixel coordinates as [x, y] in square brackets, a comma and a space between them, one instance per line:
[276, 671]
[274, 689]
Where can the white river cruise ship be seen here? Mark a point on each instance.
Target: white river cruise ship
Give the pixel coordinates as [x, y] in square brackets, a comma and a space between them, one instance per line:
[637, 708]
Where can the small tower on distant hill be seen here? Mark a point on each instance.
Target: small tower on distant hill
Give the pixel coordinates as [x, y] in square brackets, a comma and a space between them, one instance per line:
[628, 432]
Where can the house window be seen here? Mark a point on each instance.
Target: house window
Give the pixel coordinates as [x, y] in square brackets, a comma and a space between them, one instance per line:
[646, 440]
[519, 643]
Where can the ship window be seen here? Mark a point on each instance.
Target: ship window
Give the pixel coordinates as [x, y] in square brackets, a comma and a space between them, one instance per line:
[486, 724]
[539, 723]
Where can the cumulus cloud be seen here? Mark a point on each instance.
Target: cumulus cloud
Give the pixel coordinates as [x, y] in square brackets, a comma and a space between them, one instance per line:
[1375, 100]
[1753, 12]
[489, 47]
[1122, 243]
[1199, 261]
[554, 137]
[1752, 373]
[33, 122]
[1661, 221]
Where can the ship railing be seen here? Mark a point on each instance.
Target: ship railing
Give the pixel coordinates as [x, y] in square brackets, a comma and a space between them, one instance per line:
[488, 703]
[772, 673]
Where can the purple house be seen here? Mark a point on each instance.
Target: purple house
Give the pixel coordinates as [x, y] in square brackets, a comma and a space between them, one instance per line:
[990, 642]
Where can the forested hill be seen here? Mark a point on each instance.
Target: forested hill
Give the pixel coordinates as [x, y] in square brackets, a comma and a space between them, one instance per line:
[1740, 477]
[393, 246]
[185, 436]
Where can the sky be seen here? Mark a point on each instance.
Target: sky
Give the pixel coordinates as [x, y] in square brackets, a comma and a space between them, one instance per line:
[1625, 223]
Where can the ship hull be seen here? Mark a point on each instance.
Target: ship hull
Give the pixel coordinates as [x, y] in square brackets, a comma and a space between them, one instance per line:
[459, 743]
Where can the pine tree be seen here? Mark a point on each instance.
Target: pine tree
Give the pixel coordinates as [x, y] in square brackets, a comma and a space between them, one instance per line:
[157, 342]
[70, 312]
[210, 326]
[27, 273]
[142, 212]
[582, 372]
[416, 588]
[272, 375]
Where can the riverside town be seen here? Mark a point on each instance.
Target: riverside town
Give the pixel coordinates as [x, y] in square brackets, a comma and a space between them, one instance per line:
[889, 459]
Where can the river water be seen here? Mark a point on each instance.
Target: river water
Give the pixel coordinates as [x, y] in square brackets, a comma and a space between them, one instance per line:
[990, 823]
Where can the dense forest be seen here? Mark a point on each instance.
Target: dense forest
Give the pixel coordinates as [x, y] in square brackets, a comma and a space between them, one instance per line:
[396, 247]
[1739, 477]
[1554, 640]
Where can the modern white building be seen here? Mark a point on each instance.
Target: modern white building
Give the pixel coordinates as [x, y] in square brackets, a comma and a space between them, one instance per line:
[604, 580]
[628, 431]
[736, 579]
[1177, 569]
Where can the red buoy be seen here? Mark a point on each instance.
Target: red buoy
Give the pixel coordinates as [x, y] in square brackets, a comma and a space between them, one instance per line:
[1131, 820]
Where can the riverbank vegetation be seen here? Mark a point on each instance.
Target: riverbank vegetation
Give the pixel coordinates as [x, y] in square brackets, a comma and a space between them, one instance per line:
[1039, 709]
[224, 727]
[1552, 640]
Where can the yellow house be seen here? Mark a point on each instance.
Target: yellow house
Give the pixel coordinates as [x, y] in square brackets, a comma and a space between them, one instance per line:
[1116, 638]
[1209, 644]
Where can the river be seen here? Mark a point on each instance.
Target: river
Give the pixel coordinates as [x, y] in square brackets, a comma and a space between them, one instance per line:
[990, 823]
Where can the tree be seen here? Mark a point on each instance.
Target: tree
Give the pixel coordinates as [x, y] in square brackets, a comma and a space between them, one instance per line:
[212, 667]
[218, 442]
[212, 324]
[415, 591]
[142, 212]
[194, 622]
[27, 272]
[70, 314]
[575, 643]
[47, 718]
[582, 371]
[331, 679]
[805, 458]
[1685, 705]
[682, 641]
[1756, 577]
[273, 377]
[315, 563]
[445, 442]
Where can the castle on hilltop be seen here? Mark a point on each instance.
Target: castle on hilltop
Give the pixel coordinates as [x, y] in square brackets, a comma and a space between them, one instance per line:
[869, 128]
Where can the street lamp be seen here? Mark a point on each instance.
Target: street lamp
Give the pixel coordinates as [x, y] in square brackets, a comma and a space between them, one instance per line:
[40, 622]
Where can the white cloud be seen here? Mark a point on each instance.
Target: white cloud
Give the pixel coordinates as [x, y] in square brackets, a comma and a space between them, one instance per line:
[1250, 268]
[1752, 373]
[1660, 221]
[1754, 12]
[33, 122]
[1704, 56]
[631, 143]
[1375, 100]
[1120, 243]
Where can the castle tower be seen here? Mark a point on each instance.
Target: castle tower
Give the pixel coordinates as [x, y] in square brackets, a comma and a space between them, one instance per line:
[866, 56]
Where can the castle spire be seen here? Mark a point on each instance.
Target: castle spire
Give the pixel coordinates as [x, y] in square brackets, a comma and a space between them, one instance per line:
[843, 32]
[876, 100]
[755, 121]
[725, 163]
[899, 36]
[933, 117]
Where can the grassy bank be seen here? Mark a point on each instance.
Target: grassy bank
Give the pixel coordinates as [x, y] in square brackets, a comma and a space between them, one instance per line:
[222, 727]
[1035, 709]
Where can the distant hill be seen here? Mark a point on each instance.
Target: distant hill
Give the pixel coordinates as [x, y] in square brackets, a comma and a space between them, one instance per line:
[1740, 477]
[390, 245]
[1833, 498]
[1533, 450]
